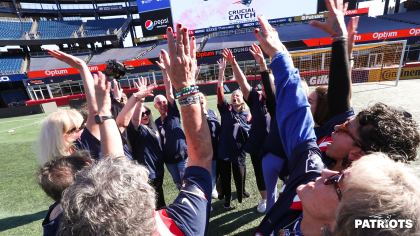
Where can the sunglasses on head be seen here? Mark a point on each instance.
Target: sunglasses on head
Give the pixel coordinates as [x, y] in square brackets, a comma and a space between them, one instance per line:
[335, 179]
[343, 128]
[161, 102]
[77, 129]
[146, 113]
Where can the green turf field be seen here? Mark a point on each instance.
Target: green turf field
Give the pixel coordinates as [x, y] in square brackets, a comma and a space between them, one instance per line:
[23, 205]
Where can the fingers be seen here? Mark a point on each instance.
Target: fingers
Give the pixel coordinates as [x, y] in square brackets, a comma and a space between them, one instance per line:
[95, 80]
[265, 26]
[186, 41]
[346, 5]
[165, 59]
[193, 48]
[330, 6]
[171, 42]
[179, 39]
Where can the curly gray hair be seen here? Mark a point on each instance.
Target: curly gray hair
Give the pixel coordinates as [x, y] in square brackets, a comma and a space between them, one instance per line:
[112, 197]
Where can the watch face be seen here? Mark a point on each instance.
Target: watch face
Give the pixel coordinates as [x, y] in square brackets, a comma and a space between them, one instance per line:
[97, 119]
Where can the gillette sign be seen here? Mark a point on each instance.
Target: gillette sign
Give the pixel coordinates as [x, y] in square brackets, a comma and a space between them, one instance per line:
[155, 22]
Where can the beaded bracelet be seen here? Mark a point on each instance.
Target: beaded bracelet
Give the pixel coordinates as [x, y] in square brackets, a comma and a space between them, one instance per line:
[192, 92]
[186, 88]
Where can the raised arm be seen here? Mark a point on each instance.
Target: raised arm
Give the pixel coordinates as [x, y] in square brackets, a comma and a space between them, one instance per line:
[166, 80]
[181, 68]
[87, 79]
[269, 89]
[294, 117]
[128, 112]
[237, 73]
[351, 30]
[339, 86]
[111, 143]
[220, 93]
[117, 91]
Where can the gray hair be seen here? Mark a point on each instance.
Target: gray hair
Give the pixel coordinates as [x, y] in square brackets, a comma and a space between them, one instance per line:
[112, 197]
[379, 187]
[157, 96]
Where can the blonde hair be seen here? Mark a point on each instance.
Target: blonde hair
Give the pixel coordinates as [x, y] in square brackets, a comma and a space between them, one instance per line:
[243, 106]
[51, 142]
[378, 186]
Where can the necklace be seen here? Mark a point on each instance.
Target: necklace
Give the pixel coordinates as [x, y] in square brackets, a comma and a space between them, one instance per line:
[286, 232]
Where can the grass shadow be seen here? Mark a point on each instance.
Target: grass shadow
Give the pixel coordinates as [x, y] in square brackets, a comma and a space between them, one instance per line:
[17, 221]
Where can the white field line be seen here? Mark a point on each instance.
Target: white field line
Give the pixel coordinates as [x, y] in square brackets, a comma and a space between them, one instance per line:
[18, 120]
[19, 127]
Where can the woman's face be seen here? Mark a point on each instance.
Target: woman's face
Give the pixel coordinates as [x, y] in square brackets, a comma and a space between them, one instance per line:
[203, 101]
[312, 99]
[73, 133]
[145, 116]
[237, 98]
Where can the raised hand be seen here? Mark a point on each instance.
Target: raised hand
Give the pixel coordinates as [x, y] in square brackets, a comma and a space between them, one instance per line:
[257, 53]
[181, 62]
[268, 38]
[228, 56]
[144, 90]
[222, 64]
[351, 30]
[72, 61]
[334, 25]
[161, 64]
[102, 88]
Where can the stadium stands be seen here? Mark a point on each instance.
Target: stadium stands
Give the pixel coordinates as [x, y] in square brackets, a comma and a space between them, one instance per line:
[99, 27]
[120, 54]
[57, 29]
[10, 64]
[412, 17]
[49, 63]
[14, 29]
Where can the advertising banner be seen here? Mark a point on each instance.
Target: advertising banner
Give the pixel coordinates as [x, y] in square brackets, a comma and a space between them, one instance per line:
[317, 78]
[209, 15]
[155, 22]
[368, 36]
[70, 71]
[110, 8]
[11, 78]
[151, 5]
[410, 73]
[357, 11]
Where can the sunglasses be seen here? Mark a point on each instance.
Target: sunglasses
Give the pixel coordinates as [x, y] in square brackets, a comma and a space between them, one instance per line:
[160, 103]
[335, 179]
[82, 126]
[343, 128]
[146, 113]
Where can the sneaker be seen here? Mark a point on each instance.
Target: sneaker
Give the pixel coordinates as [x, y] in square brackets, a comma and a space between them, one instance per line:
[214, 194]
[262, 206]
[226, 205]
[246, 194]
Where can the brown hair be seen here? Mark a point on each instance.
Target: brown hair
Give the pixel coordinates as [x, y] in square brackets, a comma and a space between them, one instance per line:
[321, 115]
[57, 175]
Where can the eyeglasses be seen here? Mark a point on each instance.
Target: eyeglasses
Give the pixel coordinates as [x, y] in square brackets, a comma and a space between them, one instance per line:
[335, 179]
[147, 113]
[343, 128]
[161, 102]
[82, 126]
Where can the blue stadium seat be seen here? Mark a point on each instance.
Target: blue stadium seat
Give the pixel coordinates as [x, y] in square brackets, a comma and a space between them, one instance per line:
[57, 29]
[14, 29]
[10, 64]
[99, 27]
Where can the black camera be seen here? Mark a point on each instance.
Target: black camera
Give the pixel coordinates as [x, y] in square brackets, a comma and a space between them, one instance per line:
[118, 69]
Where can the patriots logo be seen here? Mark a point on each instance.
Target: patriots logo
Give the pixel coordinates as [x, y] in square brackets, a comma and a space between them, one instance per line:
[313, 163]
[244, 2]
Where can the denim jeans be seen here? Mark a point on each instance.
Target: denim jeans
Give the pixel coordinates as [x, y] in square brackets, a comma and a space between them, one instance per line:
[177, 171]
[271, 165]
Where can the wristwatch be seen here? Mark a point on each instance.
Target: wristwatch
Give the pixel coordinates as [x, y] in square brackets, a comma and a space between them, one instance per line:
[139, 99]
[100, 119]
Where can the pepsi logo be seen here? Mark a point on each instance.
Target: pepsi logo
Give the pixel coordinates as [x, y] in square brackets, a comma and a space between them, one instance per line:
[149, 25]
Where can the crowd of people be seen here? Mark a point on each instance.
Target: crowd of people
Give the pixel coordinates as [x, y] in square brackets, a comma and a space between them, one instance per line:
[104, 164]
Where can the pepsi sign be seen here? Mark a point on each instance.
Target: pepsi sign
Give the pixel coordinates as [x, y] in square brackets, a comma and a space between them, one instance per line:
[155, 22]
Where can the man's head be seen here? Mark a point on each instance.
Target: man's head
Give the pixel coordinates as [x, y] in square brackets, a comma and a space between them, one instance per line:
[161, 104]
[113, 197]
[373, 185]
[57, 175]
[374, 188]
[377, 128]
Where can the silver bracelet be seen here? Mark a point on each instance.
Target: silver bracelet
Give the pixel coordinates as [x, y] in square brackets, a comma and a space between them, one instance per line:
[186, 101]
